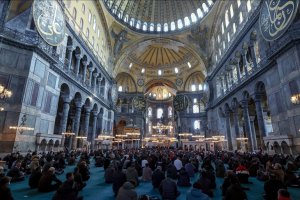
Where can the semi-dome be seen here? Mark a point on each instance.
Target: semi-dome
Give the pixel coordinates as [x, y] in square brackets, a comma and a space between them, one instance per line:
[157, 16]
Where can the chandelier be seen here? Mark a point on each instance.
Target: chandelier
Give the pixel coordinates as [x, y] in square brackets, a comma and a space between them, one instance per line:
[295, 99]
[4, 93]
[69, 132]
[22, 127]
[160, 126]
[105, 137]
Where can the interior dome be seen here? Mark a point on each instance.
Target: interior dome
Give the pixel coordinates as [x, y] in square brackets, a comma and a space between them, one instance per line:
[158, 16]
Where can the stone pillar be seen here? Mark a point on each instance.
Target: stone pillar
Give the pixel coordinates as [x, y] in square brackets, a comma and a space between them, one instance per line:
[91, 75]
[222, 85]
[94, 128]
[69, 61]
[253, 54]
[253, 136]
[84, 71]
[64, 118]
[77, 56]
[247, 124]
[76, 123]
[95, 81]
[228, 130]
[236, 125]
[99, 84]
[238, 71]
[226, 81]
[230, 69]
[260, 117]
[244, 53]
[86, 121]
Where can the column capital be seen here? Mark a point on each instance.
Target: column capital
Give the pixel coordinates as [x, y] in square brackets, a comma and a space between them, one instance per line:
[95, 113]
[95, 74]
[78, 56]
[85, 63]
[90, 68]
[99, 79]
[88, 109]
[78, 103]
[257, 97]
[70, 48]
[244, 103]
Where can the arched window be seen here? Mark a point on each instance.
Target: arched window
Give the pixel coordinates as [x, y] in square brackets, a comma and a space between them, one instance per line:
[193, 17]
[196, 125]
[234, 28]
[231, 11]
[81, 23]
[179, 24]
[238, 3]
[224, 45]
[93, 41]
[74, 13]
[193, 87]
[226, 18]
[196, 108]
[249, 6]
[210, 2]
[131, 23]
[187, 21]
[223, 30]
[205, 8]
[151, 27]
[159, 113]
[83, 8]
[138, 24]
[173, 26]
[149, 112]
[228, 37]
[98, 32]
[94, 23]
[170, 111]
[90, 17]
[126, 18]
[158, 28]
[199, 13]
[145, 26]
[219, 39]
[166, 27]
[120, 88]
[200, 87]
[87, 33]
[241, 17]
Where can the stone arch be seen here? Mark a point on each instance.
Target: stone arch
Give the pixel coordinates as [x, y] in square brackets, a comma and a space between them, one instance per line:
[126, 81]
[194, 78]
[50, 145]
[43, 145]
[70, 41]
[246, 95]
[276, 148]
[56, 145]
[260, 87]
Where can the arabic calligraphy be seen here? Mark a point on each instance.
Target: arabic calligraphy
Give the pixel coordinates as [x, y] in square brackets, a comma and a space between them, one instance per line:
[180, 102]
[276, 17]
[139, 103]
[49, 20]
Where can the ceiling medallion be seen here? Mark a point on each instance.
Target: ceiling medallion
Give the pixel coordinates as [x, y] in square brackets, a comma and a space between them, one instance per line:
[49, 21]
[179, 82]
[276, 17]
[140, 82]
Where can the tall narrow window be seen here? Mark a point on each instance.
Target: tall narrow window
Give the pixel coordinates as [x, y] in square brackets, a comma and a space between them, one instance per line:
[210, 2]
[83, 8]
[241, 17]
[173, 26]
[159, 113]
[90, 17]
[238, 3]
[166, 27]
[205, 8]
[223, 30]
[158, 28]
[193, 17]
[231, 11]
[226, 19]
[234, 28]
[138, 24]
[149, 112]
[81, 23]
[170, 113]
[193, 87]
[199, 13]
[131, 23]
[74, 13]
[145, 26]
[187, 21]
[126, 18]
[179, 24]
[249, 6]
[197, 125]
[196, 108]
[228, 37]
[120, 89]
[94, 23]
[151, 27]
[200, 87]
[159, 72]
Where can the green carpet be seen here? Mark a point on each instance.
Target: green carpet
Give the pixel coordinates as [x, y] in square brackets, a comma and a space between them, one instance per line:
[97, 189]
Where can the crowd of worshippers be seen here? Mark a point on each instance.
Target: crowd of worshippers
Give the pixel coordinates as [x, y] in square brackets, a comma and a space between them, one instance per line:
[166, 169]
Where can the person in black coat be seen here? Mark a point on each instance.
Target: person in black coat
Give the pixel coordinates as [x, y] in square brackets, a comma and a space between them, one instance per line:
[172, 171]
[84, 171]
[45, 183]
[272, 186]
[184, 178]
[16, 174]
[5, 192]
[157, 177]
[235, 190]
[35, 177]
[119, 178]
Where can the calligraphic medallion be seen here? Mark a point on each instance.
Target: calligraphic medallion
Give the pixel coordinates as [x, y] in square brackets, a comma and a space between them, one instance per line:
[180, 102]
[276, 16]
[49, 21]
[139, 103]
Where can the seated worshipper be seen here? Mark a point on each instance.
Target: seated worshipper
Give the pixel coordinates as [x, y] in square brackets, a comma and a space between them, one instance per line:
[78, 179]
[183, 179]
[35, 177]
[119, 178]
[35, 162]
[283, 194]
[84, 171]
[157, 177]
[206, 184]
[277, 170]
[67, 191]
[172, 171]
[109, 174]
[15, 173]
[45, 183]
[168, 189]
[5, 192]
[196, 194]
[132, 174]
[235, 190]
[220, 169]
[71, 159]
[127, 192]
[272, 186]
[190, 169]
[147, 173]
[227, 181]
[178, 164]
[2, 173]
[242, 173]
[262, 175]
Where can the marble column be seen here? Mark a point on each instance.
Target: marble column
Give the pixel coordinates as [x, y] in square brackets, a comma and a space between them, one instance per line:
[94, 129]
[64, 118]
[91, 75]
[236, 126]
[230, 69]
[226, 81]
[228, 130]
[253, 54]
[222, 85]
[253, 136]
[78, 105]
[84, 71]
[86, 121]
[78, 57]
[238, 71]
[69, 58]
[95, 81]
[247, 124]
[244, 53]
[99, 84]
[260, 117]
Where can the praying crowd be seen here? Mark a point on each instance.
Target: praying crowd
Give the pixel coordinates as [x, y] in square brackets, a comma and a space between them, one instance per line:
[166, 168]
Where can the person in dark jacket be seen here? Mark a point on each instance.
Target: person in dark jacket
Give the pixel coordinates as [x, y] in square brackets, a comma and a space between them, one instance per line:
[119, 178]
[67, 191]
[35, 177]
[168, 189]
[272, 186]
[84, 171]
[127, 192]
[45, 183]
[109, 174]
[196, 194]
[184, 179]
[235, 190]
[5, 192]
[15, 173]
[172, 171]
[157, 177]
